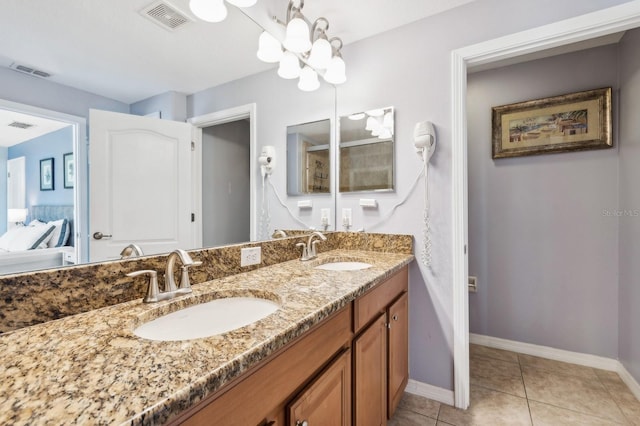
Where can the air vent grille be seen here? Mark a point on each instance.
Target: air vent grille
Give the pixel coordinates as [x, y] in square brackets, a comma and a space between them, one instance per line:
[165, 15]
[30, 70]
[20, 125]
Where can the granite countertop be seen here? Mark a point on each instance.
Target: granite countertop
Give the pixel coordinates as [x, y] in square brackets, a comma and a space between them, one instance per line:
[91, 369]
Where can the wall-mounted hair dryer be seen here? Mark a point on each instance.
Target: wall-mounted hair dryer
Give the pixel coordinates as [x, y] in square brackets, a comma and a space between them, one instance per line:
[267, 160]
[424, 139]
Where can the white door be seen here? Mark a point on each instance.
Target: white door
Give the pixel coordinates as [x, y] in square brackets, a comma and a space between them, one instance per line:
[140, 184]
[16, 197]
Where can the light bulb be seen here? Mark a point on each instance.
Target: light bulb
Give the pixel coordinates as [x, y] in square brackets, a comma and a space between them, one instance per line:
[297, 39]
[320, 56]
[336, 71]
[289, 66]
[242, 3]
[371, 124]
[269, 49]
[308, 79]
[209, 10]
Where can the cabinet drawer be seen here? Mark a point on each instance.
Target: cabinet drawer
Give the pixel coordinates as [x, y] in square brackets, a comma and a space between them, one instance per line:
[375, 301]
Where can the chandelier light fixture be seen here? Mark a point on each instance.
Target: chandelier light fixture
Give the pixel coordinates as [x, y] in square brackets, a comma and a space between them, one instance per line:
[306, 51]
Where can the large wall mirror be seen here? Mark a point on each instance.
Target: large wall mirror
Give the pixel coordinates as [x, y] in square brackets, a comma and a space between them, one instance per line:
[309, 158]
[367, 151]
[273, 118]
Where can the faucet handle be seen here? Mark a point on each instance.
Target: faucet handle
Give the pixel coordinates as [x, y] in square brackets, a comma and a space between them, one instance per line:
[185, 284]
[152, 289]
[305, 251]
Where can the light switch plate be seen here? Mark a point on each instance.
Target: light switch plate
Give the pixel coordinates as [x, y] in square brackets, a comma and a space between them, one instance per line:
[250, 256]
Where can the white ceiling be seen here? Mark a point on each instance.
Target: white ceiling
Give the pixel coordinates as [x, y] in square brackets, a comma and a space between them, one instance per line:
[10, 136]
[106, 47]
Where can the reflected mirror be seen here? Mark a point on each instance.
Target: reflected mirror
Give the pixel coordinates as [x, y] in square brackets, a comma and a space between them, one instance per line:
[309, 158]
[367, 150]
[172, 103]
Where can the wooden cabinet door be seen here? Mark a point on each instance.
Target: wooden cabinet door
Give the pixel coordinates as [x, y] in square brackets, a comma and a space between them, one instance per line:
[398, 351]
[370, 375]
[327, 400]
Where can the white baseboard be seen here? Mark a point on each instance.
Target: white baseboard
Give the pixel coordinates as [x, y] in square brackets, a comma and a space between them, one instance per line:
[435, 393]
[547, 352]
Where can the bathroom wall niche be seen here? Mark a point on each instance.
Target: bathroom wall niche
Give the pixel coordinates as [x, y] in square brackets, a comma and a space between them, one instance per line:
[309, 158]
[367, 151]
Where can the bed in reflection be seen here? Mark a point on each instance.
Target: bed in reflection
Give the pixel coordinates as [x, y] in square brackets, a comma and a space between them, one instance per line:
[45, 242]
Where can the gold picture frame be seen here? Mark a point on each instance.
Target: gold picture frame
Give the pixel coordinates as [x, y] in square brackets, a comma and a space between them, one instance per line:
[574, 122]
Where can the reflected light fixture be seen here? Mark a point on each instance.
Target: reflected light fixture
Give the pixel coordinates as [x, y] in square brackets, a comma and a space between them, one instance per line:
[215, 10]
[318, 54]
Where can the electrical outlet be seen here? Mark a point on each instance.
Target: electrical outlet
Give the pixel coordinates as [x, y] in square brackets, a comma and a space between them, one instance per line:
[473, 284]
[250, 256]
[324, 217]
[346, 218]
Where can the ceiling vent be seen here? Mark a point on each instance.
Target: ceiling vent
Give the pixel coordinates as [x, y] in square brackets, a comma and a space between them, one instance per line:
[20, 125]
[26, 69]
[165, 15]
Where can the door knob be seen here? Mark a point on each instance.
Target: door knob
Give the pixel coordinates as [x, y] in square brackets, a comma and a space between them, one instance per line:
[99, 235]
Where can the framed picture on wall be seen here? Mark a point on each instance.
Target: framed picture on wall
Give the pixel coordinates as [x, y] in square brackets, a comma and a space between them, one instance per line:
[573, 122]
[69, 170]
[46, 175]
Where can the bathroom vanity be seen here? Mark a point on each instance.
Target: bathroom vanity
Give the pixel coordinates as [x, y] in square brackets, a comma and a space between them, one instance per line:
[337, 346]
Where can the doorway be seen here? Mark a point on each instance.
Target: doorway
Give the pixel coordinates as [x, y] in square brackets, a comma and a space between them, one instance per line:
[592, 25]
[67, 132]
[226, 183]
[232, 184]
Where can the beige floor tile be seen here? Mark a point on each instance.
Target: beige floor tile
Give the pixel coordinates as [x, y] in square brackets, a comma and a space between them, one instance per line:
[441, 423]
[404, 417]
[575, 393]
[420, 405]
[488, 408]
[557, 366]
[622, 395]
[498, 375]
[486, 352]
[548, 415]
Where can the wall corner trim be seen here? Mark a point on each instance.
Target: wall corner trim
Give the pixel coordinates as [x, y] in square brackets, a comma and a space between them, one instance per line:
[442, 395]
[587, 360]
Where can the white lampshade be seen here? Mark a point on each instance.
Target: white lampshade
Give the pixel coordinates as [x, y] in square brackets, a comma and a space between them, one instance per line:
[243, 3]
[308, 79]
[372, 123]
[289, 66]
[297, 39]
[16, 215]
[320, 56]
[269, 49]
[209, 10]
[385, 133]
[336, 71]
[387, 121]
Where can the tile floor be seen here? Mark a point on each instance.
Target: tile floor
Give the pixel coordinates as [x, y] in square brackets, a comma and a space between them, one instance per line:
[512, 389]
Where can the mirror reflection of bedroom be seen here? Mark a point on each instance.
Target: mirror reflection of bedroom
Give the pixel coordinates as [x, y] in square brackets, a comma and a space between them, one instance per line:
[37, 201]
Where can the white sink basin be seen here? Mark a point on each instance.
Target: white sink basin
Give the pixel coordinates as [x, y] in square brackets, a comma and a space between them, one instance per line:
[207, 319]
[344, 266]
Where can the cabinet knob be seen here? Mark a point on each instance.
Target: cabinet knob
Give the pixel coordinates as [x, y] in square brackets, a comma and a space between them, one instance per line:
[302, 423]
[395, 317]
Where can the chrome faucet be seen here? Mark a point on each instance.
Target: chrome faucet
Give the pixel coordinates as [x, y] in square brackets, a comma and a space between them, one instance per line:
[169, 280]
[132, 250]
[170, 290]
[309, 250]
[279, 233]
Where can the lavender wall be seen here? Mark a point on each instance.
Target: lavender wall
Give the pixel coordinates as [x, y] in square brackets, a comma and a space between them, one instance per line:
[629, 251]
[409, 68]
[52, 145]
[172, 106]
[544, 252]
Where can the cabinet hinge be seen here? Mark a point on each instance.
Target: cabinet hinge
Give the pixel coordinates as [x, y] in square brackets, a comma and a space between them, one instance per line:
[193, 146]
[193, 217]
